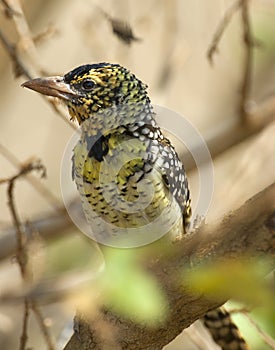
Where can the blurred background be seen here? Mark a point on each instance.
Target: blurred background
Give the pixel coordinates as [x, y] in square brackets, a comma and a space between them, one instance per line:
[170, 55]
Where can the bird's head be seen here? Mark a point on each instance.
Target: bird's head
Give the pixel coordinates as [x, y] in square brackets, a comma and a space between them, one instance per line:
[92, 88]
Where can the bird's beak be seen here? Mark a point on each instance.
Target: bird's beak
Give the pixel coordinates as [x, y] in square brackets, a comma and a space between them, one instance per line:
[52, 86]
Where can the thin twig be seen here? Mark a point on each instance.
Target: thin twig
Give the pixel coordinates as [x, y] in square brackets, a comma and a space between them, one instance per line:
[45, 34]
[22, 256]
[20, 236]
[9, 11]
[38, 186]
[213, 47]
[248, 59]
[24, 334]
[266, 337]
[18, 65]
[169, 37]
[249, 43]
[25, 42]
[239, 310]
[20, 68]
[42, 326]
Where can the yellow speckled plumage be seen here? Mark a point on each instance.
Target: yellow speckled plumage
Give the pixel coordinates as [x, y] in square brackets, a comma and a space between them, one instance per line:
[90, 173]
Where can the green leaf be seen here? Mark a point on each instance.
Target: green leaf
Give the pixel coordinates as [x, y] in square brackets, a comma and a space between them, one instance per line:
[130, 291]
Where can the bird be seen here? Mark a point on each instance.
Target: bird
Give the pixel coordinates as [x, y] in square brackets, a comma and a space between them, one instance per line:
[129, 176]
[131, 181]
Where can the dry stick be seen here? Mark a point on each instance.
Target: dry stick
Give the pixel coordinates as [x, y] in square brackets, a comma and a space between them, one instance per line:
[248, 46]
[42, 325]
[24, 334]
[45, 34]
[25, 42]
[213, 48]
[230, 132]
[170, 38]
[43, 190]
[19, 67]
[240, 310]
[23, 31]
[8, 10]
[248, 231]
[266, 337]
[245, 311]
[21, 254]
[248, 60]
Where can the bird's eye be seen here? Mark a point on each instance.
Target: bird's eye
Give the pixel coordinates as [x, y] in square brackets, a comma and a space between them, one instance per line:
[88, 85]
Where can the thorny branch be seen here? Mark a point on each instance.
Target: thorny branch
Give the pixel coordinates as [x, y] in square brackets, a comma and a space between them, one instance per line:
[21, 251]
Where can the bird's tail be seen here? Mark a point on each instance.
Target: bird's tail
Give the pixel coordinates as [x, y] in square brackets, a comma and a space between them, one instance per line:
[223, 330]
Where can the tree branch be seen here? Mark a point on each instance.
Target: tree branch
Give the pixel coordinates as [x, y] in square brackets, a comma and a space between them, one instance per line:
[230, 132]
[250, 230]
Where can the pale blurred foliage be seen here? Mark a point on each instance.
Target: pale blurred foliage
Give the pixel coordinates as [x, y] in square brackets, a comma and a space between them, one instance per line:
[175, 36]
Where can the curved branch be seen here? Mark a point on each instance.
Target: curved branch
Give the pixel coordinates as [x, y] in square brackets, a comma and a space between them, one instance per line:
[248, 230]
